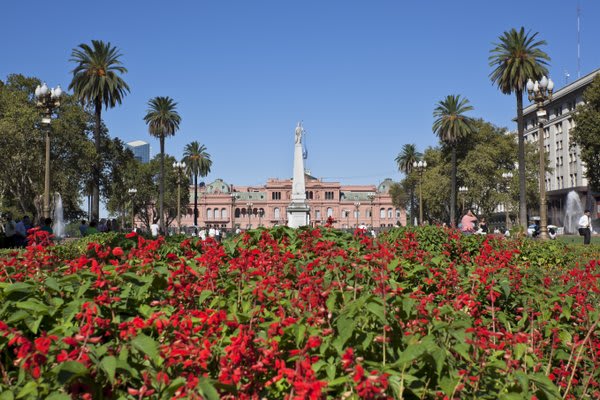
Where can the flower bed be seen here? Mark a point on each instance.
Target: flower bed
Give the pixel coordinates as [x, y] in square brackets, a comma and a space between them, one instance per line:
[306, 314]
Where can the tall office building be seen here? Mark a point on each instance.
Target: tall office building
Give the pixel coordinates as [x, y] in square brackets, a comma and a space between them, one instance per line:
[140, 149]
[567, 172]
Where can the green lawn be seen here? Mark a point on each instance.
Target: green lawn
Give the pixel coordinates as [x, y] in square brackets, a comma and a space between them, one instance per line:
[576, 239]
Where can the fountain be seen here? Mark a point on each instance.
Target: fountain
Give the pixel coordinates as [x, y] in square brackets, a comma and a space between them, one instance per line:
[573, 212]
[58, 226]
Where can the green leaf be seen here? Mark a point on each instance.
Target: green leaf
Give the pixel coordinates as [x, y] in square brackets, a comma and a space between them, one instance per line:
[30, 388]
[376, 308]
[176, 384]
[52, 283]
[146, 345]
[7, 395]
[69, 370]
[33, 305]
[21, 287]
[204, 295]
[208, 390]
[17, 316]
[338, 381]
[58, 396]
[109, 365]
[345, 328]
[546, 386]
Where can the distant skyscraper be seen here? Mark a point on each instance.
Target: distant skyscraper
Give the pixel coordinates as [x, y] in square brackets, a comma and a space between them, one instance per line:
[141, 150]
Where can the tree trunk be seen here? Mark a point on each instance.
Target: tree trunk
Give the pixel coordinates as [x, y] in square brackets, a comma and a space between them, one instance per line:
[195, 199]
[412, 207]
[97, 163]
[161, 193]
[522, 177]
[453, 189]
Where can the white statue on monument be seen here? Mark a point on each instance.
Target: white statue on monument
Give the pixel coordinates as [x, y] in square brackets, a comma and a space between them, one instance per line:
[299, 132]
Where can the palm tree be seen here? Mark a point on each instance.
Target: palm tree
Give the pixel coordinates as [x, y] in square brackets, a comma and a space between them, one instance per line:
[405, 160]
[97, 82]
[517, 58]
[162, 120]
[198, 162]
[451, 125]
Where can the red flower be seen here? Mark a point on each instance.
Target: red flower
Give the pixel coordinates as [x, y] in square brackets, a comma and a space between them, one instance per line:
[117, 252]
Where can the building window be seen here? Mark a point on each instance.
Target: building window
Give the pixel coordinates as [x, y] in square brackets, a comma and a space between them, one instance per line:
[276, 213]
[382, 213]
[237, 213]
[318, 215]
[209, 213]
[329, 212]
[390, 213]
[276, 196]
[328, 195]
[397, 213]
[356, 214]
[224, 213]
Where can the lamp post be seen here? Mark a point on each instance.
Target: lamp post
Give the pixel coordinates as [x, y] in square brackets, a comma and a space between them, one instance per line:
[48, 100]
[233, 199]
[261, 212]
[371, 197]
[540, 92]
[463, 190]
[356, 209]
[132, 193]
[507, 177]
[420, 167]
[249, 207]
[179, 168]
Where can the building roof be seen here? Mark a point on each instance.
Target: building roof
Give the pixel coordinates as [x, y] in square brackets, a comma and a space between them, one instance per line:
[136, 143]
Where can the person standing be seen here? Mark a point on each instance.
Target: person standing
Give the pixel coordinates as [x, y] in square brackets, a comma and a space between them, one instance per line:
[10, 231]
[585, 227]
[154, 228]
[83, 228]
[21, 231]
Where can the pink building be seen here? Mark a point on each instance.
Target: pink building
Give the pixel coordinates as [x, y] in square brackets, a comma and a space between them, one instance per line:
[222, 205]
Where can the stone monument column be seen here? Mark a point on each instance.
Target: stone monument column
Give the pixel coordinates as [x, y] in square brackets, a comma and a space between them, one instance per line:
[298, 211]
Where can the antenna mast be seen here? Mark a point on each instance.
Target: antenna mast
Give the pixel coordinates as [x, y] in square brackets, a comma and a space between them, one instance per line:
[578, 42]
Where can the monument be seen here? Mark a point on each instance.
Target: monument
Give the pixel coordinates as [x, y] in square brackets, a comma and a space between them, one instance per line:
[298, 212]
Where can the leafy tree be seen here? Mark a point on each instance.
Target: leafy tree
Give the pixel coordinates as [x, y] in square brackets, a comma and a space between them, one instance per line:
[121, 171]
[405, 160]
[163, 120]
[515, 59]
[22, 144]
[452, 125]
[97, 82]
[198, 163]
[586, 135]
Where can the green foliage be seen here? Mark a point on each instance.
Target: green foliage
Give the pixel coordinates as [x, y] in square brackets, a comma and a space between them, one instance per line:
[23, 146]
[586, 133]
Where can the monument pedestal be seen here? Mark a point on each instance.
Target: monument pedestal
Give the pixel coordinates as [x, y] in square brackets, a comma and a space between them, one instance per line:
[298, 214]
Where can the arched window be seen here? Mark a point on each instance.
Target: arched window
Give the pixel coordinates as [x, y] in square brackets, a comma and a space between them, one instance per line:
[276, 213]
[329, 212]
[223, 213]
[217, 213]
[397, 213]
[390, 213]
[237, 212]
[209, 213]
[317, 214]
[382, 213]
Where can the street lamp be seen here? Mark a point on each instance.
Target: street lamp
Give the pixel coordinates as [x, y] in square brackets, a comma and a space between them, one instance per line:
[463, 190]
[48, 100]
[356, 208]
[507, 177]
[540, 92]
[371, 197]
[179, 167]
[233, 199]
[420, 167]
[249, 207]
[261, 212]
[132, 193]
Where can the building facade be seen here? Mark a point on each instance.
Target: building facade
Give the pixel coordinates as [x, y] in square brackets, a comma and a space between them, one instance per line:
[567, 171]
[140, 149]
[220, 204]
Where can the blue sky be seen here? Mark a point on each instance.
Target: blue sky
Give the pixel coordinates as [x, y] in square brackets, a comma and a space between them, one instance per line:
[364, 76]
